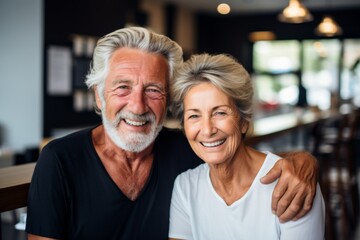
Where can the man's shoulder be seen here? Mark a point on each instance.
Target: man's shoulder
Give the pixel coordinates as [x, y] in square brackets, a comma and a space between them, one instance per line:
[172, 145]
[170, 136]
[171, 132]
[70, 140]
[66, 150]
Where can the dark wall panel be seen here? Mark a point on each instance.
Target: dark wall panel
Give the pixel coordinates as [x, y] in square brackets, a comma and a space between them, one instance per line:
[62, 19]
[229, 34]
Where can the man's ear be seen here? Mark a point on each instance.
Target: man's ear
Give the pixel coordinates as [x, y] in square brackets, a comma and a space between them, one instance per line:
[97, 98]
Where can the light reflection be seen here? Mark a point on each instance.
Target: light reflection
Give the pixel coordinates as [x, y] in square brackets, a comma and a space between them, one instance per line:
[223, 8]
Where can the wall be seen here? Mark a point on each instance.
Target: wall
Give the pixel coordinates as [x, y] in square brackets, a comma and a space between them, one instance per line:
[185, 30]
[229, 34]
[20, 73]
[179, 20]
[156, 15]
[83, 17]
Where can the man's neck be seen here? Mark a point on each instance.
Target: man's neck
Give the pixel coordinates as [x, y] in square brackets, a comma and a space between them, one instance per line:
[129, 170]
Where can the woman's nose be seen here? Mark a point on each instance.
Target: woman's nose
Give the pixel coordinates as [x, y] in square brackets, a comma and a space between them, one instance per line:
[208, 127]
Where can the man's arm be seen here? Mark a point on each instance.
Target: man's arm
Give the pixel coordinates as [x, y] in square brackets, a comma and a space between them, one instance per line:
[294, 193]
[34, 237]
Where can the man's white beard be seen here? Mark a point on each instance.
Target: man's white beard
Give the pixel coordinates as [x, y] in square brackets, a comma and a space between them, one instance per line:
[131, 141]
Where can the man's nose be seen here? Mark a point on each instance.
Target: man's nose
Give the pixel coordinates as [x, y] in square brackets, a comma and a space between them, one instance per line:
[137, 103]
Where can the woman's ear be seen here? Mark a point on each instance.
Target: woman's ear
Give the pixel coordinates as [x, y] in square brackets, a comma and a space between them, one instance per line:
[244, 126]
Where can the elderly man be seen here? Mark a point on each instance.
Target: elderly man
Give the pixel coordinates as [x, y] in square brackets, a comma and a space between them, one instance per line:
[114, 181]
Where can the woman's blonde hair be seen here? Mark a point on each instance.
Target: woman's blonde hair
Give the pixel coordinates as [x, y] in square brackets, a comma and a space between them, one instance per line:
[221, 70]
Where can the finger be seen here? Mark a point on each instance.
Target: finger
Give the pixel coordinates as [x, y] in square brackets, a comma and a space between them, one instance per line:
[273, 174]
[283, 204]
[291, 205]
[306, 207]
[278, 193]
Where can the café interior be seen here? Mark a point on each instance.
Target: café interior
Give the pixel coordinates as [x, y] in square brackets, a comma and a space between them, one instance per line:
[303, 58]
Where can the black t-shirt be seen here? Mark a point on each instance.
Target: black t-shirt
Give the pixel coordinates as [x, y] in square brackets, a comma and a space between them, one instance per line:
[72, 196]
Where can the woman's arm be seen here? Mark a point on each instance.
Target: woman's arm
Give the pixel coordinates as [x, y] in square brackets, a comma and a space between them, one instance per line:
[294, 193]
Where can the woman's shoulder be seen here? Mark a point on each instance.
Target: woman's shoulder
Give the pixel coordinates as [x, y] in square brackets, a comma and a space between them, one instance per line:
[270, 160]
[194, 175]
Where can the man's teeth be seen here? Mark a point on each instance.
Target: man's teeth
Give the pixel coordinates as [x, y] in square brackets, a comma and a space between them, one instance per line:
[213, 144]
[134, 123]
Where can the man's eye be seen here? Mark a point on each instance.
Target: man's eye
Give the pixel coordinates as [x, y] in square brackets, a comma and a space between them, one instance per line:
[154, 93]
[123, 87]
[122, 90]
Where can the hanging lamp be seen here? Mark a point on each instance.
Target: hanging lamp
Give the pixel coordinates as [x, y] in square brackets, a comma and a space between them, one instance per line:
[295, 12]
[328, 27]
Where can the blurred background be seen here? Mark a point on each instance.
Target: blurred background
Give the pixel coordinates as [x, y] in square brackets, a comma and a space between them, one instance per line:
[303, 57]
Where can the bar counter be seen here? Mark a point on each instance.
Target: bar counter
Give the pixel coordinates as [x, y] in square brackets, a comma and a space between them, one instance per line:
[270, 127]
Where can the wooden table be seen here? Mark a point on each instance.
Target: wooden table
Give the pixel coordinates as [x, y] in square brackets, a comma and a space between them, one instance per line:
[14, 186]
[15, 180]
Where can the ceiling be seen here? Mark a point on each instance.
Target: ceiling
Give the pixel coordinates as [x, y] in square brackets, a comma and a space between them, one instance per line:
[252, 6]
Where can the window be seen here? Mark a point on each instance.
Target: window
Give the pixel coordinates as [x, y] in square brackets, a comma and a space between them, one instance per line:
[283, 67]
[350, 75]
[320, 71]
[276, 74]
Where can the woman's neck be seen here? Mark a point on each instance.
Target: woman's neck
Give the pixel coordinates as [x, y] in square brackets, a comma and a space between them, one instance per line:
[231, 180]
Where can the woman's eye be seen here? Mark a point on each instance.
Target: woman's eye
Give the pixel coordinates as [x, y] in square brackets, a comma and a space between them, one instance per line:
[220, 113]
[192, 116]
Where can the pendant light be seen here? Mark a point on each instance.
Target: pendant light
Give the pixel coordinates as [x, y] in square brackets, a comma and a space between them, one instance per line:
[295, 12]
[328, 27]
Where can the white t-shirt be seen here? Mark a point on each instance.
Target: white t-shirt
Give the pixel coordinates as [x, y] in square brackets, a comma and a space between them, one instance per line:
[198, 212]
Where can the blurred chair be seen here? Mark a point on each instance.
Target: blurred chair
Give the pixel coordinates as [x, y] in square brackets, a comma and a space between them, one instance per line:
[28, 156]
[336, 146]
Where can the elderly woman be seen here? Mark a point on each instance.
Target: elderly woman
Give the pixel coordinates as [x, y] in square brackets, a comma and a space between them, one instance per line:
[223, 198]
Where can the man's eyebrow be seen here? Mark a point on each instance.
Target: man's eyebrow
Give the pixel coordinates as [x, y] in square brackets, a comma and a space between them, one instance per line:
[118, 81]
[158, 85]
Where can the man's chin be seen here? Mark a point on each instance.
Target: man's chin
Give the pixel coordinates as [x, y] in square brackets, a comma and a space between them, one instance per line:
[137, 145]
[134, 141]
[131, 138]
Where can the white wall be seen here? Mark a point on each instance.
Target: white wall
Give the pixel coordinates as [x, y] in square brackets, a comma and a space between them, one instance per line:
[21, 39]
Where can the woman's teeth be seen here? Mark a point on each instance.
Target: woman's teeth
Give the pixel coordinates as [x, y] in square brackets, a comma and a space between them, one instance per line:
[213, 144]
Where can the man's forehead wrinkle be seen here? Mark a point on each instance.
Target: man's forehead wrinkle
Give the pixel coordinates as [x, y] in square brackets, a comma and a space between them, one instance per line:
[127, 65]
[138, 68]
[132, 78]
